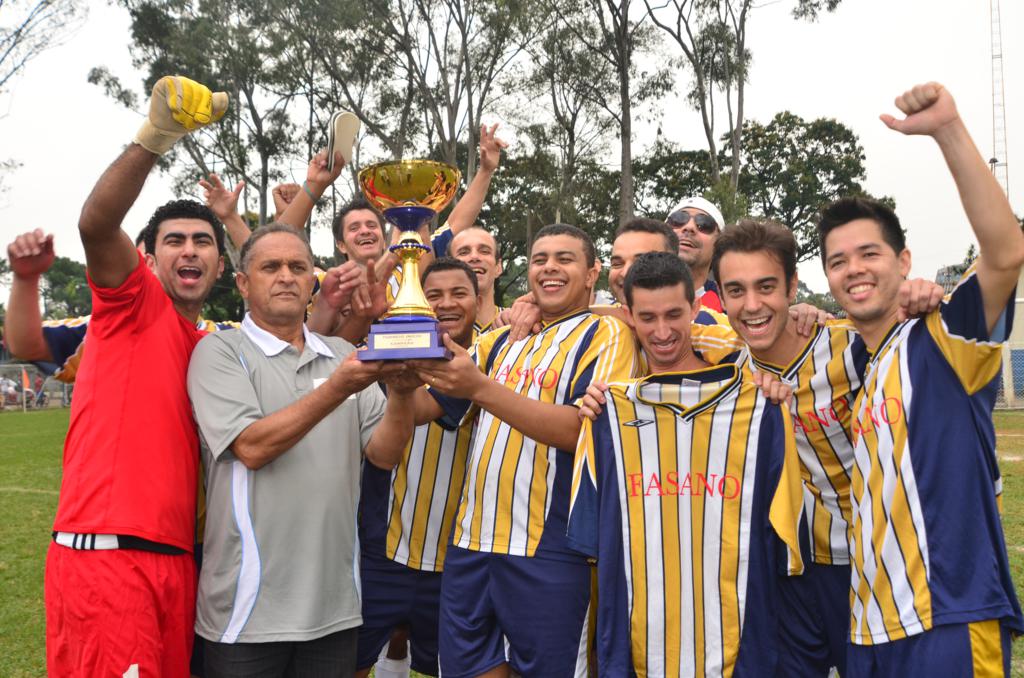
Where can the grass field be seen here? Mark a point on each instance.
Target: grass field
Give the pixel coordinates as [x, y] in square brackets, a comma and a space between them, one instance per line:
[30, 453]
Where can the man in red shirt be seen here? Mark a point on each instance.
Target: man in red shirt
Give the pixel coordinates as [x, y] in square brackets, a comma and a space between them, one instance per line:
[120, 578]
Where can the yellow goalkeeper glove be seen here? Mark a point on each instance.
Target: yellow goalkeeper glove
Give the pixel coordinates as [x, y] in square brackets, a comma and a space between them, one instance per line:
[177, 107]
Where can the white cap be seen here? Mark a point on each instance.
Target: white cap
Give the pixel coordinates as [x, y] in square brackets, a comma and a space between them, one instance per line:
[702, 205]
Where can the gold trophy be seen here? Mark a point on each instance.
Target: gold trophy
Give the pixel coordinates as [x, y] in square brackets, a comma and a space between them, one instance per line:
[409, 193]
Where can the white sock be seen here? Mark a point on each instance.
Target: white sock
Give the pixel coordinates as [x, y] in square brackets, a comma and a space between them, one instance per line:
[393, 668]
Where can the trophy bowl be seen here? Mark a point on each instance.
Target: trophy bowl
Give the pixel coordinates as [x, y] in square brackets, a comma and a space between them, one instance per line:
[409, 193]
[409, 183]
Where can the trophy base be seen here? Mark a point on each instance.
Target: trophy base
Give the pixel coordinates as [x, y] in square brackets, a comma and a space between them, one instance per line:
[408, 338]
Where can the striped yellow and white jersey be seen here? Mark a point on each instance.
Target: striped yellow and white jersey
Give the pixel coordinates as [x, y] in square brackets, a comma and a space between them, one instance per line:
[825, 378]
[927, 541]
[406, 514]
[686, 489]
[516, 496]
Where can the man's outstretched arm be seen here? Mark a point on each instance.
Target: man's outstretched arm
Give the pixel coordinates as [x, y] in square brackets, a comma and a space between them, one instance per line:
[930, 110]
[178, 105]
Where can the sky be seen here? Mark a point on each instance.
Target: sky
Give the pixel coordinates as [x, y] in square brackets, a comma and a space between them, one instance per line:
[848, 65]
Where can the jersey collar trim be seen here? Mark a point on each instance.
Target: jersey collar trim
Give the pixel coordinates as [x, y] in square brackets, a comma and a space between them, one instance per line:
[726, 372]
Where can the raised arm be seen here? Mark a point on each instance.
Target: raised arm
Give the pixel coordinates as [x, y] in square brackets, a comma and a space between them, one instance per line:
[318, 180]
[177, 106]
[31, 254]
[930, 110]
[467, 209]
[224, 204]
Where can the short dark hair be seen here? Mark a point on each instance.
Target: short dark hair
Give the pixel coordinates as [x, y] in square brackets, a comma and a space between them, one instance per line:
[749, 235]
[451, 264]
[845, 210]
[642, 225]
[589, 251]
[654, 270]
[357, 203]
[182, 209]
[263, 231]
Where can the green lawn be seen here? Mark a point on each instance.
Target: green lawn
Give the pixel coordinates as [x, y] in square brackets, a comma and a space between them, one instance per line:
[30, 452]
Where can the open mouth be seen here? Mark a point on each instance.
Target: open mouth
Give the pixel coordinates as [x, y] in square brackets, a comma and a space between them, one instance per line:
[756, 326]
[860, 291]
[449, 318]
[552, 285]
[663, 346]
[189, 273]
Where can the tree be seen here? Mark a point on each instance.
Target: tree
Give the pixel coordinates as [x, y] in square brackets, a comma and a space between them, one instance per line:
[575, 89]
[620, 41]
[794, 168]
[64, 290]
[712, 35]
[31, 27]
[824, 301]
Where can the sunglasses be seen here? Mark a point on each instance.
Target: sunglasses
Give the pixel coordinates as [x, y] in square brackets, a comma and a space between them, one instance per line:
[705, 224]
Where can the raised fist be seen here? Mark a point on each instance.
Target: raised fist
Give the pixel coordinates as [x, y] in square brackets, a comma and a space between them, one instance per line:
[929, 108]
[31, 254]
[178, 106]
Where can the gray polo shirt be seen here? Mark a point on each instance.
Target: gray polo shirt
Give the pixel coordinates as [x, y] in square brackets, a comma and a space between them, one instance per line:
[280, 553]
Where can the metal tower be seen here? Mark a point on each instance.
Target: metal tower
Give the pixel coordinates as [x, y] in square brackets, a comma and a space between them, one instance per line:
[999, 160]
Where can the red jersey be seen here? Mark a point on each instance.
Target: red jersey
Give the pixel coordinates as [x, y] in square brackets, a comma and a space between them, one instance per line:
[132, 451]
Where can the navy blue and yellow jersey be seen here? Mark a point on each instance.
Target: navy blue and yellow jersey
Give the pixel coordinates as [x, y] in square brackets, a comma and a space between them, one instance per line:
[687, 491]
[825, 377]
[66, 341]
[481, 329]
[406, 514]
[927, 542]
[516, 496]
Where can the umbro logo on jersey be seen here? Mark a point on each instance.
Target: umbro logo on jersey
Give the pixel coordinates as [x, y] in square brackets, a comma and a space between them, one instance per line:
[637, 423]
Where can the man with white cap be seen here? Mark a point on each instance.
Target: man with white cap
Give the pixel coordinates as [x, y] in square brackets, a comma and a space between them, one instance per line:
[697, 223]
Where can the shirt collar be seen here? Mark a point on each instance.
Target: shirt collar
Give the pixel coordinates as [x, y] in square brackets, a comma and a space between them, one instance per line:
[271, 345]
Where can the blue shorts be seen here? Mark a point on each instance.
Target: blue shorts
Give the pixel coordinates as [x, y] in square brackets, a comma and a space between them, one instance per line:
[814, 621]
[528, 612]
[395, 595]
[978, 649]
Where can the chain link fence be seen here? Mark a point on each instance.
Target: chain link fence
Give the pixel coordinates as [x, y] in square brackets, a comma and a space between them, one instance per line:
[42, 391]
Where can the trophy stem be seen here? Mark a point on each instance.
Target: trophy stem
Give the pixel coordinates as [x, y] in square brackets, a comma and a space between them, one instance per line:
[410, 302]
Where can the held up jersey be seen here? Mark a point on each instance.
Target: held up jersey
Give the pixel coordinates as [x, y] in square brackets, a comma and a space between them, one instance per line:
[687, 491]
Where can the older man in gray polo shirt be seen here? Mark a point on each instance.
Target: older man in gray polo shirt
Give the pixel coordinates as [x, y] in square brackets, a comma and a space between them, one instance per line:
[286, 417]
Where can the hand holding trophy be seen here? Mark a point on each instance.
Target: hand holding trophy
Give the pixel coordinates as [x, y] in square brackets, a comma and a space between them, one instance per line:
[409, 193]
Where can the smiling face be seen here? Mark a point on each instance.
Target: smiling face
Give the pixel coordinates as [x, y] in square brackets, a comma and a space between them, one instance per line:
[362, 236]
[864, 272]
[479, 250]
[278, 280]
[695, 247]
[661, 319]
[186, 261]
[559, 275]
[757, 300]
[450, 293]
[626, 248]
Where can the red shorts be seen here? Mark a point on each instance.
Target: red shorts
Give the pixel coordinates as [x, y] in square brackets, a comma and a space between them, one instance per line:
[119, 613]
